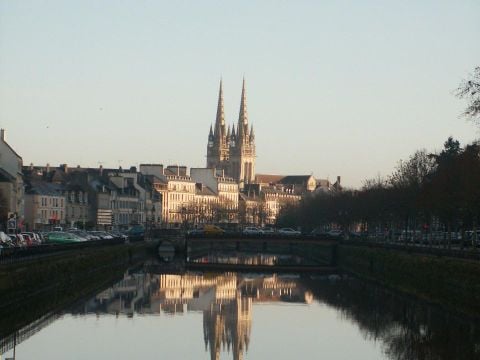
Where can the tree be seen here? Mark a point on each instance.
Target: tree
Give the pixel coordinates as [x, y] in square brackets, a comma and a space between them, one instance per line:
[451, 150]
[407, 182]
[441, 191]
[469, 89]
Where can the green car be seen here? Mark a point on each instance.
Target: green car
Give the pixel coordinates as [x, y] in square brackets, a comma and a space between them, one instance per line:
[60, 237]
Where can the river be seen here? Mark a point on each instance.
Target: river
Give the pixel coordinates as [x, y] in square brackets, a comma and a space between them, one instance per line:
[153, 314]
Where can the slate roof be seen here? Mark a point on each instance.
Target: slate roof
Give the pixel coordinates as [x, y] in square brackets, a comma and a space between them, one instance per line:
[295, 179]
[204, 190]
[5, 176]
[268, 178]
[45, 188]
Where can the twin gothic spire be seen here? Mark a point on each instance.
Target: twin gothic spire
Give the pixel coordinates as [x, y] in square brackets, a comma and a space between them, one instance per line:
[241, 133]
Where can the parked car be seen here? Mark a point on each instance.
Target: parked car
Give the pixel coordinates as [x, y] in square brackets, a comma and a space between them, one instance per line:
[102, 235]
[118, 235]
[252, 230]
[16, 240]
[268, 230]
[61, 237]
[5, 240]
[84, 234]
[35, 238]
[288, 232]
[213, 230]
[28, 239]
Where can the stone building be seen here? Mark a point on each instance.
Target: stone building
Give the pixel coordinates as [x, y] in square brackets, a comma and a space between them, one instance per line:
[177, 192]
[11, 181]
[45, 206]
[225, 188]
[232, 149]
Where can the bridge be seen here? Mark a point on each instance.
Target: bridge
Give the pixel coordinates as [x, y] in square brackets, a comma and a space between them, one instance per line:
[259, 253]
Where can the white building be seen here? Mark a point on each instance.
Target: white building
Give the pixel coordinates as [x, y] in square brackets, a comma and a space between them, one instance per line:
[226, 188]
[45, 206]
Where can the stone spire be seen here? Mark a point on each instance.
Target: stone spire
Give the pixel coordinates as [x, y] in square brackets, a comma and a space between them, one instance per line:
[220, 118]
[252, 134]
[210, 135]
[243, 115]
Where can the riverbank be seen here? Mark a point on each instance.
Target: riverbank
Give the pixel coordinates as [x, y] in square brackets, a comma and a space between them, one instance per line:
[21, 280]
[450, 282]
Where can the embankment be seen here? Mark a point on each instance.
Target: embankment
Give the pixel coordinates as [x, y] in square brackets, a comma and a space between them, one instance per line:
[450, 282]
[30, 288]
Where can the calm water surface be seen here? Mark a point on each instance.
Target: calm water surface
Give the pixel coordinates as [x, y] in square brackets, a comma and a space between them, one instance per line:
[245, 316]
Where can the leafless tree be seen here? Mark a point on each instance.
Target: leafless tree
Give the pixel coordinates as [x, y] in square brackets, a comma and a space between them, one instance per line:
[469, 89]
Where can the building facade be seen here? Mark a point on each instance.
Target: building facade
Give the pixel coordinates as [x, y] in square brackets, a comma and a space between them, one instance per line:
[45, 206]
[11, 182]
[226, 190]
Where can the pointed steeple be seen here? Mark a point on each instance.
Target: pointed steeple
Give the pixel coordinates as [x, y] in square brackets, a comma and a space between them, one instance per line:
[220, 118]
[252, 134]
[228, 133]
[243, 115]
[210, 134]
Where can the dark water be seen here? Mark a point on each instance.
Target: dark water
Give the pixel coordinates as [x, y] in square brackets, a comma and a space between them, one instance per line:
[153, 315]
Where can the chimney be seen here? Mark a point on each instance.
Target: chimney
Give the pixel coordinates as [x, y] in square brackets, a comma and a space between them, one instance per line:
[64, 168]
[2, 134]
[100, 170]
[47, 168]
[31, 166]
[338, 180]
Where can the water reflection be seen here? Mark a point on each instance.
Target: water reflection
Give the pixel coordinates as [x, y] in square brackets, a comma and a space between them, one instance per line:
[404, 327]
[250, 259]
[225, 300]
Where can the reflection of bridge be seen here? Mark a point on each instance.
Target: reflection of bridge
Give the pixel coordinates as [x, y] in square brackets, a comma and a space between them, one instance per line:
[260, 254]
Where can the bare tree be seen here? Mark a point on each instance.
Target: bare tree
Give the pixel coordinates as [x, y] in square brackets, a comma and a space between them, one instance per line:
[469, 89]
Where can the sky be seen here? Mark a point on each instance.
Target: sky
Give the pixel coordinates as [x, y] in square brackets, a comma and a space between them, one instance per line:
[334, 88]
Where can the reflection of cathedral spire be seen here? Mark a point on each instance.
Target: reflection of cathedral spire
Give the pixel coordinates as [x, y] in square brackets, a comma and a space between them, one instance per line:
[226, 302]
[228, 325]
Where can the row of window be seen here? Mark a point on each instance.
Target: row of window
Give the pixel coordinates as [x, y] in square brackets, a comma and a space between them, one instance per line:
[125, 204]
[51, 201]
[50, 214]
[181, 197]
[78, 197]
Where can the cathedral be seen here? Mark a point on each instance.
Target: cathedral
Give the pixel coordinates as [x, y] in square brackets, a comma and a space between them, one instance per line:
[232, 148]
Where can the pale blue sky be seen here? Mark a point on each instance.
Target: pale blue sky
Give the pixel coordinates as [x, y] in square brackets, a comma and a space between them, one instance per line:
[334, 87]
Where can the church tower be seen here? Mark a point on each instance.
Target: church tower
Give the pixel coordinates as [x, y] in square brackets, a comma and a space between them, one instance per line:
[242, 146]
[218, 138]
[232, 149]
